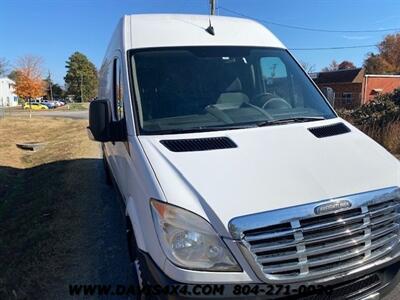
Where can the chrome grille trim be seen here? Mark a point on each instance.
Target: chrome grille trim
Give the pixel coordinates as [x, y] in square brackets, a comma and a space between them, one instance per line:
[295, 244]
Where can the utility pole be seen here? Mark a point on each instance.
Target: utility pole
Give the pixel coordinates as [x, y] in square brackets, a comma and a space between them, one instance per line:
[51, 87]
[212, 7]
[81, 87]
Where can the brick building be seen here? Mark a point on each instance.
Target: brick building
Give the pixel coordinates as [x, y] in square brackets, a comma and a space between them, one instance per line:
[353, 87]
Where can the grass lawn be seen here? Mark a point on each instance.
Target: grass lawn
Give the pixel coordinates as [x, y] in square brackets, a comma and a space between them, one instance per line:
[41, 212]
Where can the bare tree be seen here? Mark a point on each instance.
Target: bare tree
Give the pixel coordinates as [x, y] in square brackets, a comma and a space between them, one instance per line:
[346, 64]
[309, 68]
[333, 66]
[32, 65]
[29, 83]
[4, 64]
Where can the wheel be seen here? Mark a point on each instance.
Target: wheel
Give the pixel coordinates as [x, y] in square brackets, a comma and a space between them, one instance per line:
[107, 171]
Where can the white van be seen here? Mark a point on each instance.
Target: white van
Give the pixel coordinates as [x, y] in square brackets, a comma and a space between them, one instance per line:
[235, 171]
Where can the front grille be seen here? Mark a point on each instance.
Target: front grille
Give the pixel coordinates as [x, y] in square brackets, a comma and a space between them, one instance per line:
[319, 246]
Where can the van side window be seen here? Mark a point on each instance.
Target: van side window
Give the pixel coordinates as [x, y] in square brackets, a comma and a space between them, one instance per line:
[118, 90]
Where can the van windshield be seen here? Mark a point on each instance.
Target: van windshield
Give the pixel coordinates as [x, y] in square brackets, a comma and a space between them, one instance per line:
[188, 89]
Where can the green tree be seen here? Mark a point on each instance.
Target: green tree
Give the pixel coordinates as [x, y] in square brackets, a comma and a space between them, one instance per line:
[81, 77]
[53, 89]
[56, 90]
[13, 75]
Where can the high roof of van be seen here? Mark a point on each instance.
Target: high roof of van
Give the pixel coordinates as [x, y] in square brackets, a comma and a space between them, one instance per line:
[170, 30]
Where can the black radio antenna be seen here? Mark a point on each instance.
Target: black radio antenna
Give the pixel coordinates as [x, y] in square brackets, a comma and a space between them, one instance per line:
[212, 7]
[210, 28]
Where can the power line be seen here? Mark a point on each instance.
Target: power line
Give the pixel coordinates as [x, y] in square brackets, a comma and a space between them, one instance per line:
[308, 28]
[334, 48]
[315, 29]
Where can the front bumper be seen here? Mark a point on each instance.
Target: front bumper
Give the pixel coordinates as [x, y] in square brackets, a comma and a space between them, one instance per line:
[371, 284]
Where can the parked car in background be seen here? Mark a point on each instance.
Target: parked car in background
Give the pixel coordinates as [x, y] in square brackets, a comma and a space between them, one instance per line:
[49, 104]
[35, 106]
[59, 103]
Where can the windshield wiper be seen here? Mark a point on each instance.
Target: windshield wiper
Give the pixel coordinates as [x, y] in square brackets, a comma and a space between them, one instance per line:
[236, 126]
[202, 129]
[290, 120]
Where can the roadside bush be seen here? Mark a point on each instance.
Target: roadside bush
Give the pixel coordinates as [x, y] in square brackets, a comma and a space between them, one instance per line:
[380, 119]
[346, 114]
[382, 110]
[387, 135]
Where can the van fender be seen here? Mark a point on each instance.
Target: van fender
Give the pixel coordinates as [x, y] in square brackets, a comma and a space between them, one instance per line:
[131, 213]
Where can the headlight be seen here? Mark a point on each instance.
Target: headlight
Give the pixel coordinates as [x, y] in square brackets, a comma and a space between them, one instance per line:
[189, 241]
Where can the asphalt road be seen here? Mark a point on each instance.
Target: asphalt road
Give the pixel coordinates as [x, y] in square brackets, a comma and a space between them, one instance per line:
[99, 253]
[394, 295]
[83, 114]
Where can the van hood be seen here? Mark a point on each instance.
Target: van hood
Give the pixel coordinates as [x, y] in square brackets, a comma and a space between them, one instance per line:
[272, 167]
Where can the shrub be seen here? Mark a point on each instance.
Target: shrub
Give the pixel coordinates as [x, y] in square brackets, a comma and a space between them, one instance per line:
[388, 136]
[381, 111]
[380, 119]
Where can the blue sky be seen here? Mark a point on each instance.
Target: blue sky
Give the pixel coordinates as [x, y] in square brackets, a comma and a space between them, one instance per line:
[54, 29]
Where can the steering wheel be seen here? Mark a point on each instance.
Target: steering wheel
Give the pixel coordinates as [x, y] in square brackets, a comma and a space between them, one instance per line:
[262, 98]
[276, 102]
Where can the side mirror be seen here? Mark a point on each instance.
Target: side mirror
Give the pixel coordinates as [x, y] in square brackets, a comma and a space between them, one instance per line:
[102, 128]
[100, 120]
[329, 94]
